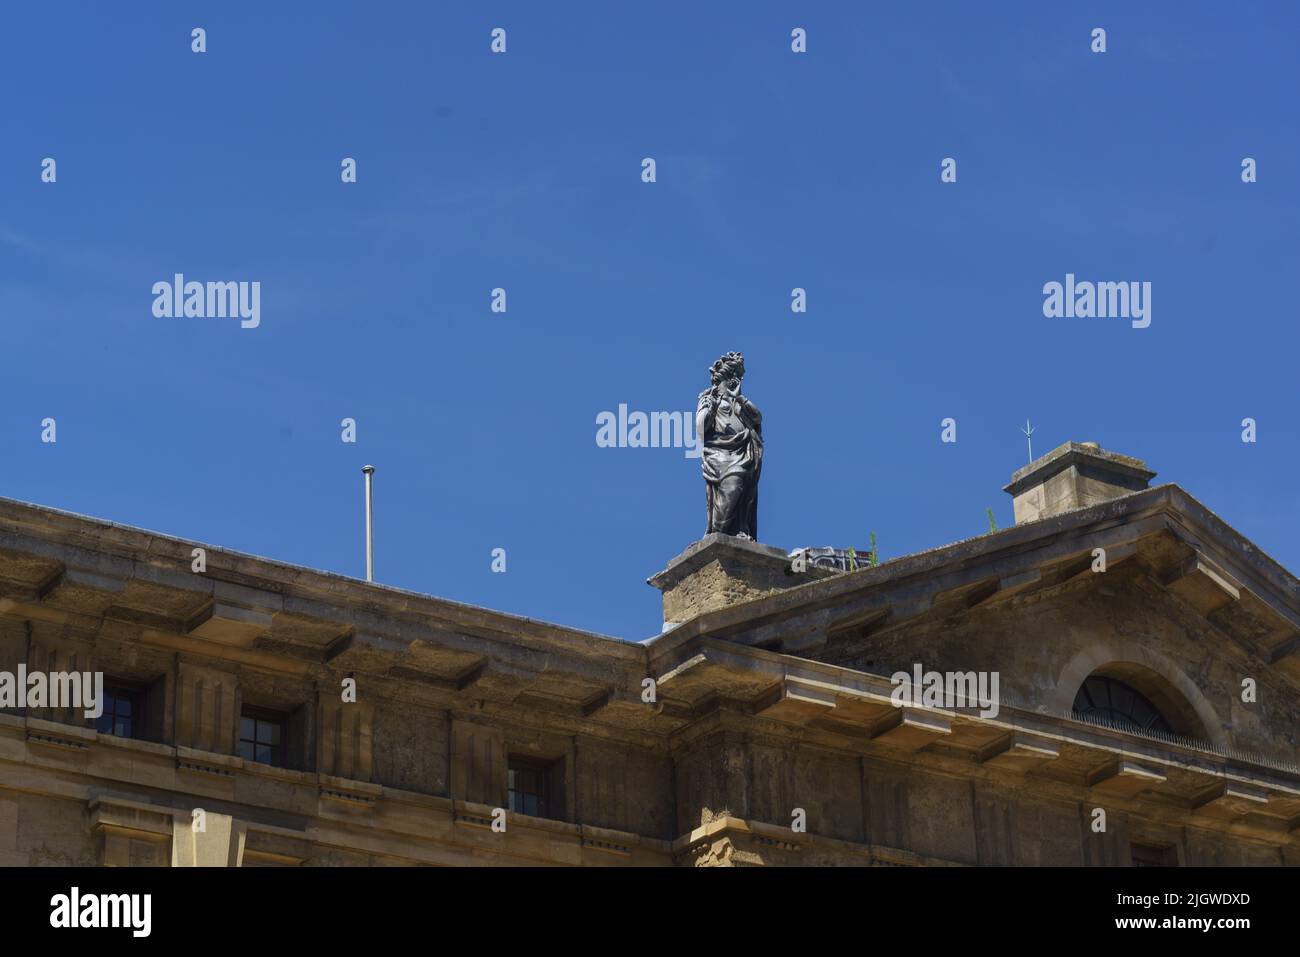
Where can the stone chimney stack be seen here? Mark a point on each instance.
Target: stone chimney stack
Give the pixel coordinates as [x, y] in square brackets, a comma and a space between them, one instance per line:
[1074, 475]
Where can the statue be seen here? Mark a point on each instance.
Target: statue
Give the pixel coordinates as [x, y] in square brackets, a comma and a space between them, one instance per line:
[730, 430]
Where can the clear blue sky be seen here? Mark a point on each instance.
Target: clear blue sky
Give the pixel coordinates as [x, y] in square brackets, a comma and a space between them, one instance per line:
[522, 170]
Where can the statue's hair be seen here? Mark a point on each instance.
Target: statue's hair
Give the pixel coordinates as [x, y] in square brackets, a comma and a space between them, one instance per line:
[732, 364]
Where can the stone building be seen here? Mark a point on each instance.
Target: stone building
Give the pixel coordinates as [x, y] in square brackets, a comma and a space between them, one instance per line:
[1157, 696]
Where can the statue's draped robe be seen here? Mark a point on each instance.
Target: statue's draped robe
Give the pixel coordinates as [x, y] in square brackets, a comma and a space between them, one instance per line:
[732, 449]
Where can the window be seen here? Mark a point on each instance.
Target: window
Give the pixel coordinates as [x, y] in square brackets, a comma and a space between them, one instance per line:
[123, 715]
[530, 787]
[1151, 855]
[1117, 703]
[261, 737]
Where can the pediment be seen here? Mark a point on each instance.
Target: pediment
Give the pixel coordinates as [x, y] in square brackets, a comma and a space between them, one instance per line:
[1160, 541]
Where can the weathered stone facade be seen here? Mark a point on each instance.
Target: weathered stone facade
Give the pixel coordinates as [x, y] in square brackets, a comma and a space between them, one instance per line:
[771, 704]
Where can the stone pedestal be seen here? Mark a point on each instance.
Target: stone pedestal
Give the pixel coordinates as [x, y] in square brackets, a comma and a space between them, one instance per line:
[1074, 475]
[720, 570]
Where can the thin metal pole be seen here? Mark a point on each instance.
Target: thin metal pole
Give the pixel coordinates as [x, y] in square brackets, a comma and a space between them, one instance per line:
[1029, 436]
[369, 470]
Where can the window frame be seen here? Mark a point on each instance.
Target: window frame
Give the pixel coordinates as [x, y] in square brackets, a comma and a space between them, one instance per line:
[258, 716]
[1113, 714]
[545, 771]
[137, 693]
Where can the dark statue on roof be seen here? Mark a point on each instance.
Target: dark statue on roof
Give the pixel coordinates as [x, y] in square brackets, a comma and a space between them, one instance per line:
[730, 431]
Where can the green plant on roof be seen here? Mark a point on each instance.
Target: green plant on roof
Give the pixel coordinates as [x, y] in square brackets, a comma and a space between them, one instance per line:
[993, 525]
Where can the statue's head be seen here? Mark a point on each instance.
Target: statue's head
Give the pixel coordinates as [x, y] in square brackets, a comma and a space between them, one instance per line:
[728, 370]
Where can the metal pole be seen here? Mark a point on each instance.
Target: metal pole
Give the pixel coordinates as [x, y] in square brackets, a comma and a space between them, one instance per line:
[369, 471]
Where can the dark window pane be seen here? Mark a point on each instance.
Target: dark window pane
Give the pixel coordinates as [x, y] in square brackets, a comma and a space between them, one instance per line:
[262, 739]
[121, 706]
[528, 784]
[1118, 704]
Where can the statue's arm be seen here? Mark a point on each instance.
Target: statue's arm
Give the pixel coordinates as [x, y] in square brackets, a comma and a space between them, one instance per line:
[702, 412]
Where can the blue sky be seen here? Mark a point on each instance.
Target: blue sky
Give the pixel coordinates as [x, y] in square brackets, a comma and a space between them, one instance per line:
[522, 171]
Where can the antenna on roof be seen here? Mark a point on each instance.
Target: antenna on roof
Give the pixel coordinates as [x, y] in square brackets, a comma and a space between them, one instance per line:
[1029, 433]
[369, 471]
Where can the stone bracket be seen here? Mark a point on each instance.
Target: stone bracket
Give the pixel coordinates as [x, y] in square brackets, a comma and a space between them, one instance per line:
[1020, 752]
[1125, 778]
[913, 729]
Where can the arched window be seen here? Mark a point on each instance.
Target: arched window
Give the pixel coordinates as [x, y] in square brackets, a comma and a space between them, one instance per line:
[1117, 703]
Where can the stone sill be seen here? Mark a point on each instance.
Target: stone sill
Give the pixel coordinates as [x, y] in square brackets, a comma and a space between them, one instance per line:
[207, 762]
[137, 744]
[287, 775]
[347, 791]
[473, 814]
[66, 737]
